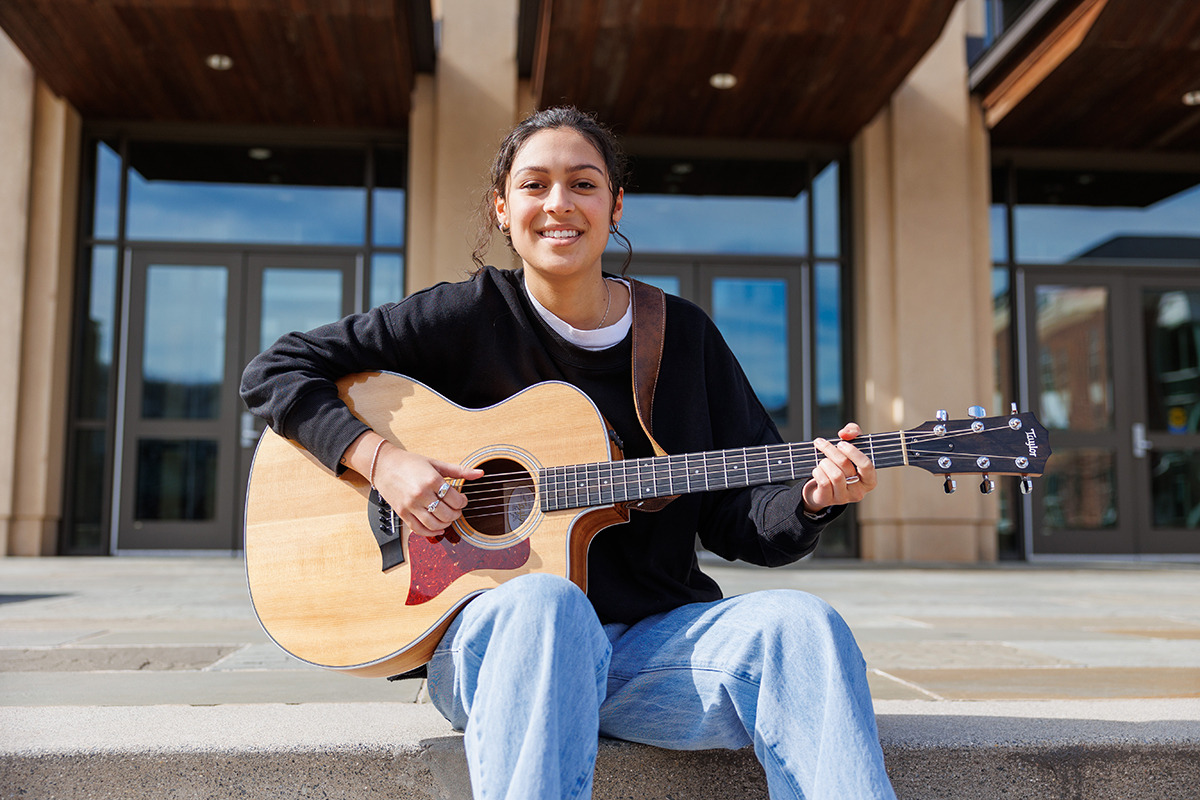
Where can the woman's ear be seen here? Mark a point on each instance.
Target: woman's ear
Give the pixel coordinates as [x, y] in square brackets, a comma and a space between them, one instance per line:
[618, 206]
[501, 208]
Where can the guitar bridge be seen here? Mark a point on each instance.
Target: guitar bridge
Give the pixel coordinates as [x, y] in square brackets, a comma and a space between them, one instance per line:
[386, 526]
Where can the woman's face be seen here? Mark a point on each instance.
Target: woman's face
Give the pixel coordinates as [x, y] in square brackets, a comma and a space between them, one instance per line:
[557, 203]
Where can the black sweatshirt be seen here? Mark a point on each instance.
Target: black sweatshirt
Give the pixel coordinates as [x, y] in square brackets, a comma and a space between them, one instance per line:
[480, 341]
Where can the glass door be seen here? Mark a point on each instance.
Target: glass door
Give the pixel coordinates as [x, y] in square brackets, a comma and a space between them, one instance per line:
[194, 320]
[1114, 370]
[1165, 437]
[180, 404]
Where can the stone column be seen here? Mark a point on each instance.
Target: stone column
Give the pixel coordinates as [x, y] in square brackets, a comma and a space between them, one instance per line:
[46, 329]
[922, 305]
[16, 127]
[459, 116]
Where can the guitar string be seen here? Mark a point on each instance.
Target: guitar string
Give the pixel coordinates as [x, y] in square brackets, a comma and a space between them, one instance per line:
[494, 486]
[761, 460]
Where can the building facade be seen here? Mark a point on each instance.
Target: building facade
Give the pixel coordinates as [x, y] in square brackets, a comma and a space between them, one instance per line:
[888, 210]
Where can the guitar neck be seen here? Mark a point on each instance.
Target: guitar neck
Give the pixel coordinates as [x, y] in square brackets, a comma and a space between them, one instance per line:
[604, 483]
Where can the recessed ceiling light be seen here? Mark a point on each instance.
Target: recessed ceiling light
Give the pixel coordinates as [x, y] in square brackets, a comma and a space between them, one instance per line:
[219, 61]
[1192, 98]
[259, 153]
[722, 80]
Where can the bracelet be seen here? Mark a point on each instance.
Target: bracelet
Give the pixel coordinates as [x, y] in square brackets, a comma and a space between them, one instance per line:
[374, 460]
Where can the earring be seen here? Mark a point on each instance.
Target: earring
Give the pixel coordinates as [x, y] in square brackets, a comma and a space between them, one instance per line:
[502, 228]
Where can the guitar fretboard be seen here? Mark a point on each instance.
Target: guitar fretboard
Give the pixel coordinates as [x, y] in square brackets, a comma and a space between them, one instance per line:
[608, 482]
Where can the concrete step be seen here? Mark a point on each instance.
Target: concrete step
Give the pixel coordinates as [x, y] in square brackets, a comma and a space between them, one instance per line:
[1042, 750]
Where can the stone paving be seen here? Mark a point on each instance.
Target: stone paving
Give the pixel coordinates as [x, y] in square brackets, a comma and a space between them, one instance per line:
[148, 631]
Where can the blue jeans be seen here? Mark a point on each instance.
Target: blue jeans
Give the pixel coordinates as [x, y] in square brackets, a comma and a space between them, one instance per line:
[530, 676]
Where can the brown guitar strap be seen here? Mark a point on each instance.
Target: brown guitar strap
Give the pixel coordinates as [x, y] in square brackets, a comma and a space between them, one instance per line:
[649, 325]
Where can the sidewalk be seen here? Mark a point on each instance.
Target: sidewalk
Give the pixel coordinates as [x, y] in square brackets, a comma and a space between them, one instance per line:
[1022, 677]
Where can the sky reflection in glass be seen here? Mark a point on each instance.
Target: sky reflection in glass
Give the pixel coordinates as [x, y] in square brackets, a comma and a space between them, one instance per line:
[662, 223]
[227, 212]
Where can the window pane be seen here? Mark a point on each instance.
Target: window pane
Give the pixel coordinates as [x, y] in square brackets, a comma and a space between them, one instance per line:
[176, 479]
[183, 359]
[108, 192]
[1074, 379]
[999, 232]
[298, 300]
[97, 356]
[717, 206]
[1175, 486]
[387, 222]
[752, 316]
[87, 489]
[1080, 490]
[225, 193]
[1171, 320]
[1089, 217]
[387, 278]
[827, 212]
[831, 406]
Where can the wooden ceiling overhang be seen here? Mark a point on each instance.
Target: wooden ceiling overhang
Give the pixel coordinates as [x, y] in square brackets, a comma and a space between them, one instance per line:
[343, 64]
[1103, 75]
[805, 69]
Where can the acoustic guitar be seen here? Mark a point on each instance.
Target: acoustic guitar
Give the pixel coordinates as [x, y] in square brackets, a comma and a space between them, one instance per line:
[336, 580]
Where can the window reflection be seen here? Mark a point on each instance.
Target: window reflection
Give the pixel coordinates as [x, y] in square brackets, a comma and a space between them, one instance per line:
[1171, 320]
[183, 358]
[831, 413]
[176, 479]
[1074, 376]
[827, 212]
[752, 316]
[298, 300]
[1175, 486]
[107, 199]
[1087, 217]
[95, 362]
[1080, 490]
[226, 193]
[690, 205]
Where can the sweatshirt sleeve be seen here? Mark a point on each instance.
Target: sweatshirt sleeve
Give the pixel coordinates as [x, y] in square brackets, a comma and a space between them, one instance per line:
[291, 385]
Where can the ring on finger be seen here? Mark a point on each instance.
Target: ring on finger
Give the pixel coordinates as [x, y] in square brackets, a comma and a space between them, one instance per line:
[433, 506]
[852, 479]
[445, 487]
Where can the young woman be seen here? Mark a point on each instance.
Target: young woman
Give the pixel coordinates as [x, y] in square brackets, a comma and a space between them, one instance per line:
[534, 670]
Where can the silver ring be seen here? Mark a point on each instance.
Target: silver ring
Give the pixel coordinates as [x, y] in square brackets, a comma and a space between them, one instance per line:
[442, 491]
[852, 479]
[433, 506]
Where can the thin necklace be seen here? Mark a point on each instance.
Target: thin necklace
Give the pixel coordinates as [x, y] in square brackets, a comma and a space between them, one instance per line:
[607, 307]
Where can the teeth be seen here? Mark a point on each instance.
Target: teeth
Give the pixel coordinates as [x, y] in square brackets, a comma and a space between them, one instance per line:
[559, 234]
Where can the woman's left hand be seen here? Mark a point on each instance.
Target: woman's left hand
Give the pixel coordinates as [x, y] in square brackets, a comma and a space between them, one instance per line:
[845, 475]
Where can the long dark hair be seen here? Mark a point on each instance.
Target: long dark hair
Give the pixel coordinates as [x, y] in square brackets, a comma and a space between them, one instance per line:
[601, 137]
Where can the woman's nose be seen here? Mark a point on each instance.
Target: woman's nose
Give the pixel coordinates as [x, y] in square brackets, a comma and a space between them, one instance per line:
[558, 199]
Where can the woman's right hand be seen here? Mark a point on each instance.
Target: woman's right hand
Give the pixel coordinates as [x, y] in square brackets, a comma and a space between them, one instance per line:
[422, 491]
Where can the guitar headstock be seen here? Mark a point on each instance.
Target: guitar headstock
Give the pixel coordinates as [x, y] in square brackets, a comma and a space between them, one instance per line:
[1014, 444]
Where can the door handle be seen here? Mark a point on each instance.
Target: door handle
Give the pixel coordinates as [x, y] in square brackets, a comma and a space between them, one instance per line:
[1141, 445]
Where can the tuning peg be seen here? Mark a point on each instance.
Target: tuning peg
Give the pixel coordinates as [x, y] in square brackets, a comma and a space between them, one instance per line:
[975, 412]
[1026, 485]
[941, 415]
[950, 485]
[987, 485]
[1013, 408]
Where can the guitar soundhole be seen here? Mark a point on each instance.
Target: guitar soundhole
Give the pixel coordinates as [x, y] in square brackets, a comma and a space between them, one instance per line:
[500, 501]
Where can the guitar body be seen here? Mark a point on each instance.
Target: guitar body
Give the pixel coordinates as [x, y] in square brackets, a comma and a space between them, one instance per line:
[317, 580]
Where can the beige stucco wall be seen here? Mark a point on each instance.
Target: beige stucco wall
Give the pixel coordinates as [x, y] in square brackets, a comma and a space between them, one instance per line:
[46, 329]
[922, 299]
[16, 126]
[459, 116]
